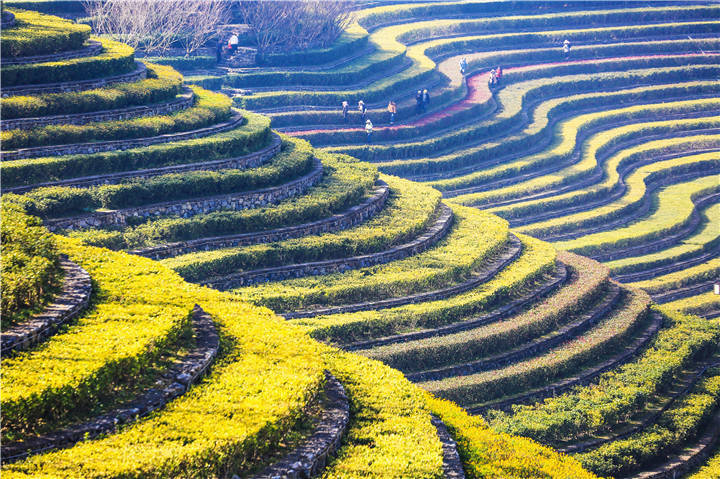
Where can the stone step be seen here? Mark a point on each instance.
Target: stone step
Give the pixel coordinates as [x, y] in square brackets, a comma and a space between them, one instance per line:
[310, 457]
[73, 298]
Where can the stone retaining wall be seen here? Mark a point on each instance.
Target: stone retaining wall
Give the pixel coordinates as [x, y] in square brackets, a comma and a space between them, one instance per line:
[337, 222]
[684, 292]
[176, 382]
[278, 273]
[192, 207]
[92, 49]
[529, 349]
[510, 253]
[668, 240]
[667, 268]
[72, 299]
[560, 277]
[96, 147]
[140, 73]
[181, 102]
[691, 457]
[312, 455]
[583, 379]
[250, 160]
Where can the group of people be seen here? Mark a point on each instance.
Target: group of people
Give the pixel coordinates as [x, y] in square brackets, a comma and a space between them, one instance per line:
[424, 99]
[495, 76]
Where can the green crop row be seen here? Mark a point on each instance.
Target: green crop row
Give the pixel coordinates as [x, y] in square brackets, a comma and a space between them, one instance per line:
[389, 434]
[705, 238]
[163, 84]
[116, 58]
[560, 362]
[537, 259]
[30, 268]
[700, 304]
[594, 158]
[196, 62]
[209, 108]
[682, 422]
[133, 319]
[514, 100]
[474, 238]
[254, 394]
[616, 394]
[636, 182]
[674, 209]
[680, 279]
[410, 209]
[711, 470]
[352, 39]
[251, 136]
[407, 109]
[421, 31]
[488, 454]
[549, 315]
[345, 183]
[38, 34]
[295, 160]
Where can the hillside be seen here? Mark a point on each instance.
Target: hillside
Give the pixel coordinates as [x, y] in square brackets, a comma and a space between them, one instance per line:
[544, 216]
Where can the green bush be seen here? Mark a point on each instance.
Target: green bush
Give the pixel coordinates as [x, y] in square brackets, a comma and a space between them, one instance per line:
[209, 108]
[253, 135]
[30, 267]
[295, 161]
[116, 58]
[163, 84]
[197, 62]
[344, 184]
[38, 34]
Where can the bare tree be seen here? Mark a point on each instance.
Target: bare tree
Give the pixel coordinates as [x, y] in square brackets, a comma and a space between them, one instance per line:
[281, 24]
[154, 25]
[202, 19]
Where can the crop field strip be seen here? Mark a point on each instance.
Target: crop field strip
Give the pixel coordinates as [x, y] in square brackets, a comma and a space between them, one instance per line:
[640, 147]
[467, 308]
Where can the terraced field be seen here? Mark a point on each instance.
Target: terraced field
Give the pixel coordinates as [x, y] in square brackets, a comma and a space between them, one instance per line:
[521, 265]
[610, 151]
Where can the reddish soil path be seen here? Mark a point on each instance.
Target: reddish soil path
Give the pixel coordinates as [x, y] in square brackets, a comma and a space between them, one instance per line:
[479, 92]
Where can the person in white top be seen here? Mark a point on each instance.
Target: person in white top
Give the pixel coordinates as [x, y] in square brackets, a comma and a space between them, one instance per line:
[369, 130]
[233, 43]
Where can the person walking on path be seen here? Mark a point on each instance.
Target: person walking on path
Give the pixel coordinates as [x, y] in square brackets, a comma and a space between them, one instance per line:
[425, 100]
[369, 130]
[218, 50]
[498, 74]
[419, 102]
[392, 109]
[463, 66]
[566, 48]
[493, 77]
[362, 109]
[345, 106]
